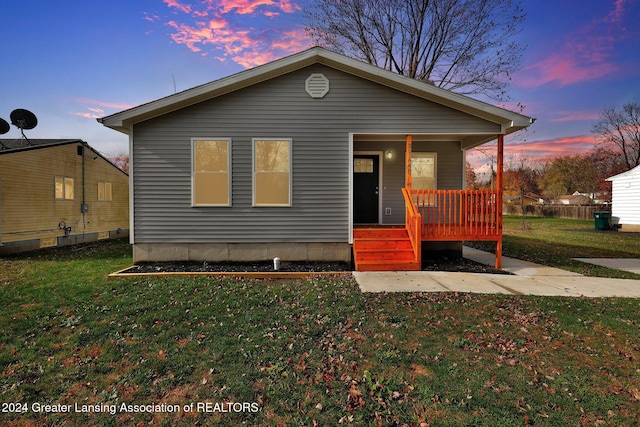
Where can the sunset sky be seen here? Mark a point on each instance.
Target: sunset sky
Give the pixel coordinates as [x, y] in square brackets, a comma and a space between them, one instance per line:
[72, 61]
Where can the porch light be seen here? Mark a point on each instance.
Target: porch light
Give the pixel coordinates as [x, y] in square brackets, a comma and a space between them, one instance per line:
[388, 154]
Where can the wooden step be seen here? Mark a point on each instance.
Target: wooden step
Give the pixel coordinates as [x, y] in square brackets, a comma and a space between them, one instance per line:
[389, 255]
[379, 233]
[384, 244]
[388, 266]
[383, 249]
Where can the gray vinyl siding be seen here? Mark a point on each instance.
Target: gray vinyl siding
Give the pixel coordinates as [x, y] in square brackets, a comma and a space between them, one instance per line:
[449, 170]
[319, 130]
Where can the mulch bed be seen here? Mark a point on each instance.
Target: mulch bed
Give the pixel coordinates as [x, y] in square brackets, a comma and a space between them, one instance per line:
[457, 265]
[432, 264]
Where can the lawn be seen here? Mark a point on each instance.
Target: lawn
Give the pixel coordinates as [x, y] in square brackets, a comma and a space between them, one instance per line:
[556, 241]
[209, 351]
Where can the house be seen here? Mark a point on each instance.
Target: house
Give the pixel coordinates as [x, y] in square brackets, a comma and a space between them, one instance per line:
[308, 158]
[55, 192]
[575, 199]
[529, 199]
[625, 205]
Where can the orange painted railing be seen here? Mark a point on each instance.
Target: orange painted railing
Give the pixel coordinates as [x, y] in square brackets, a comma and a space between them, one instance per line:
[458, 214]
[413, 224]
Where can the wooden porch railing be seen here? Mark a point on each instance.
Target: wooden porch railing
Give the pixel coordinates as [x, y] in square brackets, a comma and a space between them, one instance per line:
[413, 224]
[458, 214]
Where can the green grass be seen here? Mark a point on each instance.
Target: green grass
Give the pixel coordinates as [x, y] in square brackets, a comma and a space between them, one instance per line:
[556, 241]
[306, 352]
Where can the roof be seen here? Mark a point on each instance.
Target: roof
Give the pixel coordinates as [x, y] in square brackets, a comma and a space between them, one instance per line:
[509, 121]
[631, 173]
[573, 196]
[8, 146]
[22, 144]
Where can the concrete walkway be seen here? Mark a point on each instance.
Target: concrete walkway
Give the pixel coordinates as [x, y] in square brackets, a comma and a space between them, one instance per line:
[528, 279]
[631, 265]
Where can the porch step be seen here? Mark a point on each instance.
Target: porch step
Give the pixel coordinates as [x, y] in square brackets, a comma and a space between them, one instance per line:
[383, 249]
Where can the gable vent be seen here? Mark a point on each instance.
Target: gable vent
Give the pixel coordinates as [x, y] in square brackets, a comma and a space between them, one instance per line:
[316, 85]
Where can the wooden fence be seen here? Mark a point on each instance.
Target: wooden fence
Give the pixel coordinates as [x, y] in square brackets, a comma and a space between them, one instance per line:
[556, 211]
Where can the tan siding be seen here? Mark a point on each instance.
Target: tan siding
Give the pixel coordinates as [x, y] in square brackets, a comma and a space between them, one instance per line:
[29, 208]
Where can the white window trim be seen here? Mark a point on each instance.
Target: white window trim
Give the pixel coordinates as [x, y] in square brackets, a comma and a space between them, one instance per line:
[432, 203]
[229, 164]
[434, 154]
[253, 172]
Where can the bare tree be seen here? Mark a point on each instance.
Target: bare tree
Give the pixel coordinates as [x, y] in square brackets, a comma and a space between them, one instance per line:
[622, 128]
[121, 160]
[467, 46]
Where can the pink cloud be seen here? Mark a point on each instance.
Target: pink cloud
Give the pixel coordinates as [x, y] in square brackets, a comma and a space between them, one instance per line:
[247, 7]
[573, 116]
[281, 45]
[548, 149]
[93, 110]
[618, 13]
[537, 151]
[89, 115]
[567, 67]
[585, 54]
[213, 27]
[150, 18]
[185, 8]
[243, 7]
[105, 104]
[190, 36]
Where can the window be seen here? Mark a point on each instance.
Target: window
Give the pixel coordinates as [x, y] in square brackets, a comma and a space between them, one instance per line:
[63, 188]
[424, 173]
[104, 191]
[272, 172]
[363, 165]
[211, 181]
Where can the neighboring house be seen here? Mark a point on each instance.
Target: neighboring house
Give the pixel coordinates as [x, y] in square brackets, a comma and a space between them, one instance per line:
[625, 203]
[56, 192]
[304, 158]
[526, 199]
[574, 199]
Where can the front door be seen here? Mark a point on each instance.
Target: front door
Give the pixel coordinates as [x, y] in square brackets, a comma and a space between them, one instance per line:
[366, 189]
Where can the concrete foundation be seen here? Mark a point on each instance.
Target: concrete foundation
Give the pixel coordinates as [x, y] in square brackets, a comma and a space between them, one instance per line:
[7, 248]
[222, 252]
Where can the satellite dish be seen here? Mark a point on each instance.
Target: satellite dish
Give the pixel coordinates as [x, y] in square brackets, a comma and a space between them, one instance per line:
[4, 126]
[23, 119]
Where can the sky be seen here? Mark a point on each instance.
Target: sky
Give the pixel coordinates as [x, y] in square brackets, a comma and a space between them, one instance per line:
[72, 61]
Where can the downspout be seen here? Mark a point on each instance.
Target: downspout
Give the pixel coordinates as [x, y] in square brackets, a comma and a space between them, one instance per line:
[84, 208]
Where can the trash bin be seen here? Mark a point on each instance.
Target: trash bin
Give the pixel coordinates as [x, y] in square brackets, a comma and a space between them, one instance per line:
[602, 220]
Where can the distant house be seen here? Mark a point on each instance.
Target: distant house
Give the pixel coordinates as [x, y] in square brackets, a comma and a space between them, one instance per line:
[308, 158]
[529, 199]
[574, 199]
[56, 192]
[625, 199]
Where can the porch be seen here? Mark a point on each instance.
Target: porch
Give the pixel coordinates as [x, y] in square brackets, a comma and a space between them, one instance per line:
[431, 215]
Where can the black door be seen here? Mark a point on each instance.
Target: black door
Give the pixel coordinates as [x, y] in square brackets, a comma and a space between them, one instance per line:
[365, 189]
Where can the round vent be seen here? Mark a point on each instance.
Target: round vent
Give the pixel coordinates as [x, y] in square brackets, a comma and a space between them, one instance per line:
[317, 85]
